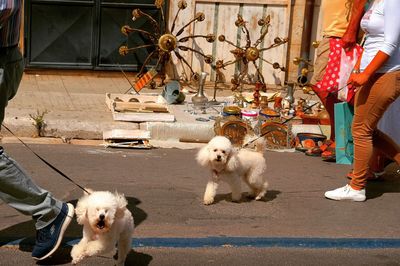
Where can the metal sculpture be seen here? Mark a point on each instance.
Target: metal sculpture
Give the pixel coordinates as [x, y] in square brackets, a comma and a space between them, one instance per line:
[166, 41]
[306, 66]
[251, 53]
[199, 99]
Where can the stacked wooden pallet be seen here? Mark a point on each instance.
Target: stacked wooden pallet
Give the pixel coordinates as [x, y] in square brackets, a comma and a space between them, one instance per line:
[122, 138]
[139, 108]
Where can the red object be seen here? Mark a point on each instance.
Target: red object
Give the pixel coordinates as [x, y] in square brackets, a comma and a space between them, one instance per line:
[330, 80]
[278, 102]
[249, 113]
[145, 79]
[314, 120]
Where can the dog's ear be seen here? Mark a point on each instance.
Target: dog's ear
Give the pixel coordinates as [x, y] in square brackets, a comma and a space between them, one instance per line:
[203, 156]
[81, 210]
[121, 204]
[233, 161]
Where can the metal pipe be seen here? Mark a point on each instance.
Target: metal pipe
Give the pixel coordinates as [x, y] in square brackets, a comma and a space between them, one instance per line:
[307, 31]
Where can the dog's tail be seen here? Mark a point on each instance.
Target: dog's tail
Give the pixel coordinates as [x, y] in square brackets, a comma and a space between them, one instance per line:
[260, 145]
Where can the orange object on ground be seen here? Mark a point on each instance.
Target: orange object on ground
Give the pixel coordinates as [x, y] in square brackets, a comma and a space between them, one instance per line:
[143, 81]
[308, 143]
[325, 149]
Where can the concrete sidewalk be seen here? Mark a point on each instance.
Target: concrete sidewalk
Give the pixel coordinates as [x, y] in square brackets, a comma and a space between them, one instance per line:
[75, 108]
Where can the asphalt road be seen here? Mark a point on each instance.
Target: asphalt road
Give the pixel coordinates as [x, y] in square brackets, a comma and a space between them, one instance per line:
[221, 257]
[164, 188]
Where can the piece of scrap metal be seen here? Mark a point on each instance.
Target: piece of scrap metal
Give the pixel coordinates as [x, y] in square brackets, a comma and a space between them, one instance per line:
[124, 138]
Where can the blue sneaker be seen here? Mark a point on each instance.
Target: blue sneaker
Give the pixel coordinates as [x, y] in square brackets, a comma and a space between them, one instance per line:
[48, 239]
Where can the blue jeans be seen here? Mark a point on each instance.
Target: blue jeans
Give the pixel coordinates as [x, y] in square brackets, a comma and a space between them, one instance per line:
[17, 189]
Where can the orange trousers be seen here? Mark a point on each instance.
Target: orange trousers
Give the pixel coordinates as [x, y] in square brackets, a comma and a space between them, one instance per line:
[371, 102]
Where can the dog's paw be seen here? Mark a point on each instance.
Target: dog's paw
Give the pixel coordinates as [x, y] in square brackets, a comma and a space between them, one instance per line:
[260, 196]
[76, 254]
[208, 201]
[76, 260]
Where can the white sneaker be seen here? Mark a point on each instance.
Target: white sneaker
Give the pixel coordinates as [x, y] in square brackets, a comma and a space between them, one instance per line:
[346, 193]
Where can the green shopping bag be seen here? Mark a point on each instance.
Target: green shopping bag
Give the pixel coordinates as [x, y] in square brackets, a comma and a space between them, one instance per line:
[344, 113]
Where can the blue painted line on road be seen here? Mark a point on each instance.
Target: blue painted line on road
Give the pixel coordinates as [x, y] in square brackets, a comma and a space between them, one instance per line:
[257, 242]
[266, 242]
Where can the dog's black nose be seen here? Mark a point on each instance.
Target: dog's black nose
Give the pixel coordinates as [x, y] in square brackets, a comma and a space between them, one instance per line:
[218, 157]
[101, 216]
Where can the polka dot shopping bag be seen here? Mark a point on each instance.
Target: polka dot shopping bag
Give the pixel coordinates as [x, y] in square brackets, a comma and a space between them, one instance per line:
[338, 70]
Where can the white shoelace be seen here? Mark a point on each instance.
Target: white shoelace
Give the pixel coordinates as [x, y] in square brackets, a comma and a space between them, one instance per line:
[347, 189]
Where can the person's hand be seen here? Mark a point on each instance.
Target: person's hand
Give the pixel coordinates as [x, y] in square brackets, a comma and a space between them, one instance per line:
[348, 41]
[358, 80]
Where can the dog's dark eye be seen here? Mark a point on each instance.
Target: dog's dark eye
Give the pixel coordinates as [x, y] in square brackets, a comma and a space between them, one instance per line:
[215, 150]
[223, 152]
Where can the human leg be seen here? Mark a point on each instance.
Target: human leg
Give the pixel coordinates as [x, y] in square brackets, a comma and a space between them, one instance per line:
[328, 99]
[11, 66]
[370, 104]
[390, 125]
[16, 187]
[378, 161]
[386, 146]
[20, 192]
[321, 61]
[377, 165]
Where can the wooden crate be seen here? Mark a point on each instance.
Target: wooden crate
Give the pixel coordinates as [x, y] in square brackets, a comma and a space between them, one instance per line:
[138, 108]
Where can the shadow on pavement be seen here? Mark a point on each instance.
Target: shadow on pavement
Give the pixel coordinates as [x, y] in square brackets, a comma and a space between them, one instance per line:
[376, 189]
[390, 183]
[62, 256]
[270, 196]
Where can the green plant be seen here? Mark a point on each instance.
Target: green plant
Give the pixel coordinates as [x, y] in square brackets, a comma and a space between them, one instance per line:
[38, 121]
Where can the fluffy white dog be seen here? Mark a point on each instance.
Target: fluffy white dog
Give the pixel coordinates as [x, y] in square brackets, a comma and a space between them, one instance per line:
[106, 223]
[230, 165]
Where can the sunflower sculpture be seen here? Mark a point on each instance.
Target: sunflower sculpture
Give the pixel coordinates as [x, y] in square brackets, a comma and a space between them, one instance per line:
[166, 40]
[250, 53]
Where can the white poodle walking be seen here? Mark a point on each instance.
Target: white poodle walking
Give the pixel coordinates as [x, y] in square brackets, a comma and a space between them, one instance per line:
[231, 165]
[106, 223]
